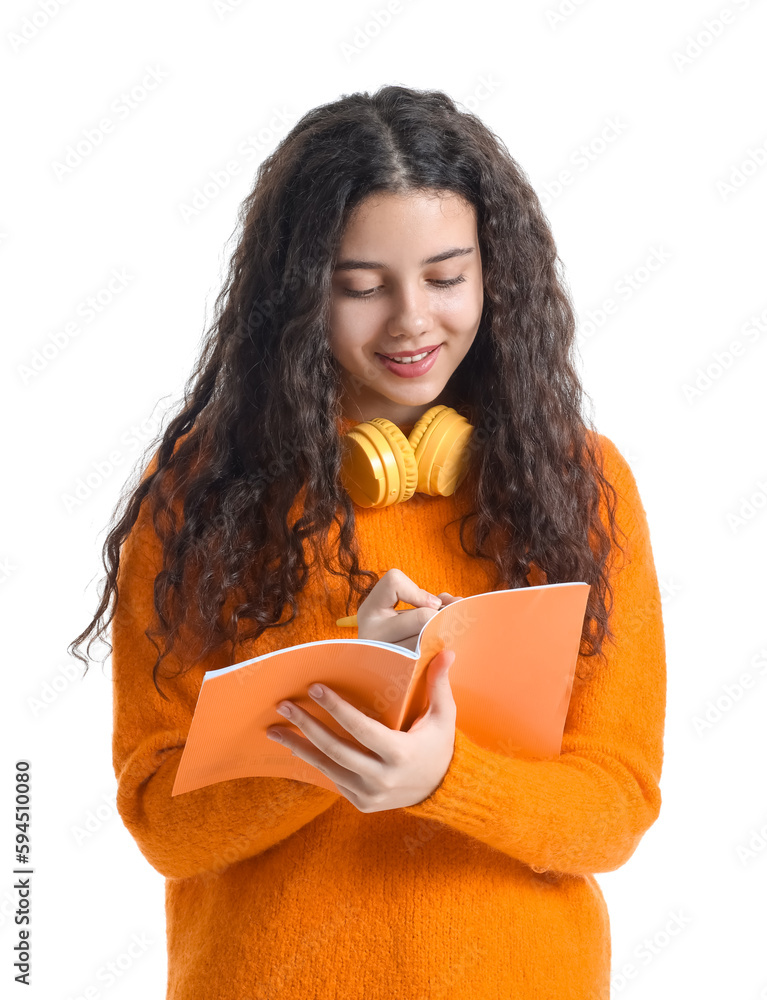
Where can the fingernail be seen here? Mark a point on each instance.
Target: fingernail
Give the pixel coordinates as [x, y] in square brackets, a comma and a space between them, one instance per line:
[284, 710]
[315, 691]
[435, 601]
[273, 736]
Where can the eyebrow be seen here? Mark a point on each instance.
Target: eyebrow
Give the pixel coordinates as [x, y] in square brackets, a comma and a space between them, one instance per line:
[350, 264]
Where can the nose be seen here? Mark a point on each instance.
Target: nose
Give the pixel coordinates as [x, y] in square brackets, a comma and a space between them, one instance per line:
[411, 315]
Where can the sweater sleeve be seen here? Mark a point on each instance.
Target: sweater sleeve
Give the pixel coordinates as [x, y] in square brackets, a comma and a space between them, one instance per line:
[586, 810]
[212, 827]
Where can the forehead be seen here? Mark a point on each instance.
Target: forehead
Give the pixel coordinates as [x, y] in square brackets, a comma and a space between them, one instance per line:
[421, 220]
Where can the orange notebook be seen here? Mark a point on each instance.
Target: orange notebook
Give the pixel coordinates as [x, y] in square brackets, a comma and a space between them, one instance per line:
[516, 653]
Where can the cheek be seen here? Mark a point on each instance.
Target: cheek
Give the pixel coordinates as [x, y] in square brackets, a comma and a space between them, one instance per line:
[461, 313]
[352, 330]
[346, 346]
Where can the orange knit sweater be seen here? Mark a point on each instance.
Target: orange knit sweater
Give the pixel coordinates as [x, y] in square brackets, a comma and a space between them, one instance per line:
[279, 889]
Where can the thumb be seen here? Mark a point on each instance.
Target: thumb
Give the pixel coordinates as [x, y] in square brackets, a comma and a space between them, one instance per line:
[436, 683]
[439, 684]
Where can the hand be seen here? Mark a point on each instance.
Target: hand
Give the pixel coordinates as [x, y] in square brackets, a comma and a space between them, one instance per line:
[403, 768]
[377, 619]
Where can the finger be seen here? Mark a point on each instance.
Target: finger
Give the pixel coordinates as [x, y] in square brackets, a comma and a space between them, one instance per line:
[406, 632]
[448, 598]
[440, 694]
[402, 626]
[366, 731]
[304, 749]
[341, 751]
[317, 733]
[395, 586]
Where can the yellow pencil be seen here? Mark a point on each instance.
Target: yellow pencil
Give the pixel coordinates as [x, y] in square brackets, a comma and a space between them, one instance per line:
[347, 622]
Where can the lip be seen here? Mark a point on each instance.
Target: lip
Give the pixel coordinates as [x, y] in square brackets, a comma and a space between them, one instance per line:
[409, 354]
[412, 370]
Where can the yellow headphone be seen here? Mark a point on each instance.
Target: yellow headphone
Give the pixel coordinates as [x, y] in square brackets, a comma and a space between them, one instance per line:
[381, 466]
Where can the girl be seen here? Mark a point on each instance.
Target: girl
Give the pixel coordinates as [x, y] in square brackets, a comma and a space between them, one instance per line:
[384, 226]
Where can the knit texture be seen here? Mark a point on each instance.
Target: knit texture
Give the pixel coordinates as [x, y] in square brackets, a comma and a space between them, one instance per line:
[485, 890]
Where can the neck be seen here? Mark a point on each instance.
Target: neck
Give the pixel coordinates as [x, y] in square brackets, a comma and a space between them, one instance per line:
[405, 417]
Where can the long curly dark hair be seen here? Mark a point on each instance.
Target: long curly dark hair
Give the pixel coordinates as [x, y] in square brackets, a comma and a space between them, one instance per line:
[230, 462]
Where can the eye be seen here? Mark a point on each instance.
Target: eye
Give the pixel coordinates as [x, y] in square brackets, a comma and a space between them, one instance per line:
[446, 282]
[441, 283]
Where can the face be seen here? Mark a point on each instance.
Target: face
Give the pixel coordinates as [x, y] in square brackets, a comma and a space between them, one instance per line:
[407, 278]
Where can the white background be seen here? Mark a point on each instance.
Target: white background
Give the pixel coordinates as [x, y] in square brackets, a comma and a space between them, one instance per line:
[687, 911]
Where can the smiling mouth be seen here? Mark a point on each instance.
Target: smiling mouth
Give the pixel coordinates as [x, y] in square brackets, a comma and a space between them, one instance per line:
[411, 358]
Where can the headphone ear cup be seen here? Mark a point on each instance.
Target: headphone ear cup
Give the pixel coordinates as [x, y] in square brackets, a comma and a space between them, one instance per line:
[422, 424]
[378, 466]
[407, 465]
[439, 442]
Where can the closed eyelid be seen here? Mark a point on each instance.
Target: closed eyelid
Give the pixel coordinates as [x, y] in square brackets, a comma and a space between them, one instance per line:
[439, 282]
